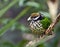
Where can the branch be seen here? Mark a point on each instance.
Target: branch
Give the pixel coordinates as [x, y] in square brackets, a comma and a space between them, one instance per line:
[36, 42]
[52, 25]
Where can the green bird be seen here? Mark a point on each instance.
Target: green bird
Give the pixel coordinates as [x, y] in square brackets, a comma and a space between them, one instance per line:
[39, 23]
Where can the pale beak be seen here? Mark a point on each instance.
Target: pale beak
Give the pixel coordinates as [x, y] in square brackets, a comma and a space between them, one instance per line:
[29, 19]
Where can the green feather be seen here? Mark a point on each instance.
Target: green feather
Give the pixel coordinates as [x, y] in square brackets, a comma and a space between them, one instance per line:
[45, 22]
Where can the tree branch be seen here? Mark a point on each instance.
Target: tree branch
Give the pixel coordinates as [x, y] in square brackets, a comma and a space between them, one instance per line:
[52, 25]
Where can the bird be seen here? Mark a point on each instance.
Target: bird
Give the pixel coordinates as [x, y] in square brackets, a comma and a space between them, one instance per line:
[38, 23]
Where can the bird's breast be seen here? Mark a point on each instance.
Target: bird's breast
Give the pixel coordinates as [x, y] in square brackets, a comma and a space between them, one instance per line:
[36, 26]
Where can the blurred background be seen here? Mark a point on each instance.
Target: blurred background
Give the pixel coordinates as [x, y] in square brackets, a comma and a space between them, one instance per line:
[14, 28]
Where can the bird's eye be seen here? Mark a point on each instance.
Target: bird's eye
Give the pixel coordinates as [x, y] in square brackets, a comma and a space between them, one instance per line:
[35, 16]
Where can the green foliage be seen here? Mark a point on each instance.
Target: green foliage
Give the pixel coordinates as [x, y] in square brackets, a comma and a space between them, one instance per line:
[45, 14]
[22, 43]
[6, 44]
[13, 21]
[3, 11]
[41, 45]
[33, 4]
[4, 3]
[29, 3]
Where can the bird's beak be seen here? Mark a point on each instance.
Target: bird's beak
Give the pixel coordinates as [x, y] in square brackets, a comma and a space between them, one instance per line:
[29, 19]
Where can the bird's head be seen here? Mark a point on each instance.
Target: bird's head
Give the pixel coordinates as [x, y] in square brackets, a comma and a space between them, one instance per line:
[35, 17]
